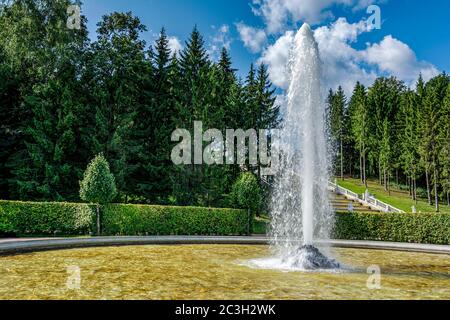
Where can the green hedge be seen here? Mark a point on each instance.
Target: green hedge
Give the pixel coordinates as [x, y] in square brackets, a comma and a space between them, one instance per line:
[34, 218]
[45, 218]
[39, 218]
[433, 228]
[163, 220]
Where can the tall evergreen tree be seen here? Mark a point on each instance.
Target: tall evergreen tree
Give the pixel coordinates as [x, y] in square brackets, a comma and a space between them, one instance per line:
[444, 137]
[360, 119]
[410, 139]
[337, 110]
[435, 92]
[116, 73]
[47, 166]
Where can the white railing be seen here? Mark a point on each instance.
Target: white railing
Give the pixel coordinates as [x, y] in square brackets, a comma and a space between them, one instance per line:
[345, 192]
[382, 205]
[365, 199]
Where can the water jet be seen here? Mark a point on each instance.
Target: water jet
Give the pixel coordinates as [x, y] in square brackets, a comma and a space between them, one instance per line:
[300, 208]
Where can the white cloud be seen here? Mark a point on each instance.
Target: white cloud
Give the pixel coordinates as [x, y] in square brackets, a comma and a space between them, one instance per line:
[343, 64]
[175, 45]
[220, 40]
[397, 58]
[279, 13]
[254, 39]
[276, 57]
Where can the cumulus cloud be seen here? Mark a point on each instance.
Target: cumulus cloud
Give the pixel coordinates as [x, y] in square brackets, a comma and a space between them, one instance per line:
[254, 39]
[276, 57]
[345, 65]
[220, 40]
[174, 44]
[395, 57]
[278, 13]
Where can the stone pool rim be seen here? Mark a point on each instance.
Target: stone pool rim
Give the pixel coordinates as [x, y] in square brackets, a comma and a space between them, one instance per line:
[21, 246]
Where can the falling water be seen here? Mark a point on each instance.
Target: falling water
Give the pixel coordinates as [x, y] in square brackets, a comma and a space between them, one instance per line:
[301, 212]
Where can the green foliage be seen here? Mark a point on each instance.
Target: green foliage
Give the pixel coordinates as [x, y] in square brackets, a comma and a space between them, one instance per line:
[163, 220]
[45, 218]
[98, 185]
[65, 99]
[395, 227]
[246, 192]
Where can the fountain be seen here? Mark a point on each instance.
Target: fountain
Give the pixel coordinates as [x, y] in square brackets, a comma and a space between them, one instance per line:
[300, 206]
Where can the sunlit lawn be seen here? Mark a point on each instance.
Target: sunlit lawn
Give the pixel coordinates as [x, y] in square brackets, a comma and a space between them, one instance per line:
[398, 198]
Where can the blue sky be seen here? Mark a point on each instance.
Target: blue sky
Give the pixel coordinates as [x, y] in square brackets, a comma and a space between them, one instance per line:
[259, 30]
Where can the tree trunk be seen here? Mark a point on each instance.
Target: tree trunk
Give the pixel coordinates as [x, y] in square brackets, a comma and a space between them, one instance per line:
[342, 161]
[448, 198]
[397, 177]
[98, 221]
[385, 180]
[436, 196]
[360, 166]
[409, 184]
[415, 190]
[380, 174]
[389, 183]
[427, 177]
[364, 171]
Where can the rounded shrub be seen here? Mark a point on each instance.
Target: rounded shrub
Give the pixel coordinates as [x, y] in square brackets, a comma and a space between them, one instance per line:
[98, 185]
[246, 193]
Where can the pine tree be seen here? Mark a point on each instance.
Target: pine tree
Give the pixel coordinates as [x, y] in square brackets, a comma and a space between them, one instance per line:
[360, 125]
[444, 137]
[383, 101]
[337, 102]
[193, 105]
[410, 139]
[9, 122]
[435, 92]
[385, 153]
[45, 165]
[269, 112]
[116, 73]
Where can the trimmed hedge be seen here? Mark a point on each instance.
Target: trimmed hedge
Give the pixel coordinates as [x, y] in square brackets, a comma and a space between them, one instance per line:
[164, 220]
[52, 218]
[433, 228]
[45, 218]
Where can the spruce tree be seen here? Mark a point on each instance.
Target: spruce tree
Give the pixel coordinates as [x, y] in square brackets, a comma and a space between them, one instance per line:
[337, 103]
[444, 137]
[48, 60]
[360, 126]
[116, 75]
[431, 145]
[410, 139]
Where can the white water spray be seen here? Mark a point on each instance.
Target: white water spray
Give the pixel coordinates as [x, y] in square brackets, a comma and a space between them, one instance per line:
[301, 211]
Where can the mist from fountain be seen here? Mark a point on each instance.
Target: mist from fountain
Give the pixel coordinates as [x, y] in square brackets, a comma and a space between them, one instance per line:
[300, 209]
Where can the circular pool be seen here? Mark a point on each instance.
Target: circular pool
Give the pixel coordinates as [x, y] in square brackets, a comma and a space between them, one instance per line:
[217, 272]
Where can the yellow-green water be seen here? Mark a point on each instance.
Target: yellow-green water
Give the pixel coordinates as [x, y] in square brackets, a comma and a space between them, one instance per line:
[214, 272]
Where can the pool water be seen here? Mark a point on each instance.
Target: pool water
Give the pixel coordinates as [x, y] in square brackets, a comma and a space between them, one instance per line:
[216, 272]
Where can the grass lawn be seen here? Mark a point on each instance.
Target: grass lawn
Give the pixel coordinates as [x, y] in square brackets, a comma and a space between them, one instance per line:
[398, 198]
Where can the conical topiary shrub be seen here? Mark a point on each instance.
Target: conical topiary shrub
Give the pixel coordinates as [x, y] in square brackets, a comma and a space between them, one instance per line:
[98, 185]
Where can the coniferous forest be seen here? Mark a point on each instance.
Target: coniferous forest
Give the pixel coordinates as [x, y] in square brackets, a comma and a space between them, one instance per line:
[396, 134]
[65, 99]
